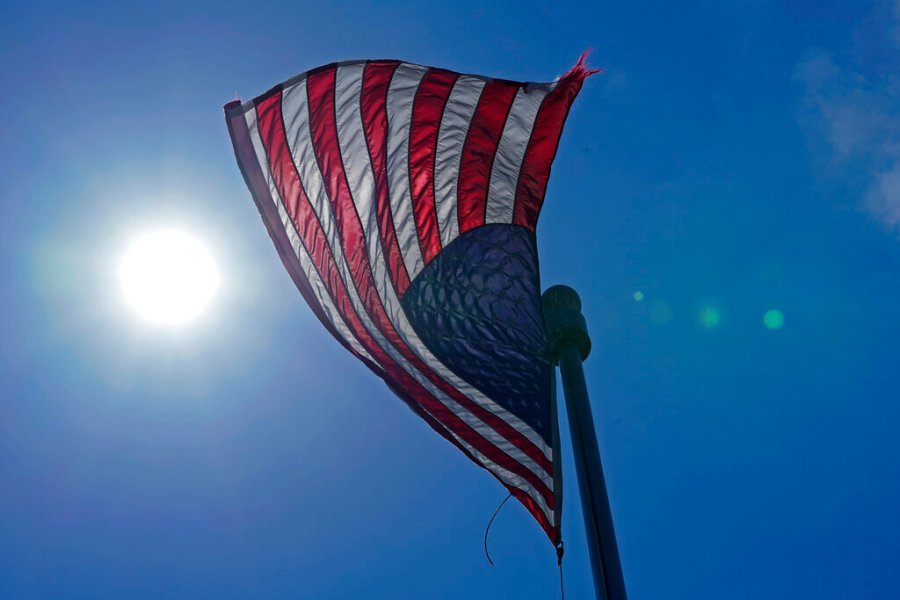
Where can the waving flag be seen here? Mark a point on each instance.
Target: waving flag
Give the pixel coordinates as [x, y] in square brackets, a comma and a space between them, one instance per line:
[403, 202]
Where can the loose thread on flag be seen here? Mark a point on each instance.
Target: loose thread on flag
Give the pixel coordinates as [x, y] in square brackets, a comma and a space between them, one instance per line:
[488, 528]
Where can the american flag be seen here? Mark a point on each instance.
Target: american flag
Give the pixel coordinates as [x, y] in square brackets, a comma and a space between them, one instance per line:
[403, 202]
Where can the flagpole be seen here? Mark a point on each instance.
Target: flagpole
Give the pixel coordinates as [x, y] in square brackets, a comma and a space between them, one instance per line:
[570, 345]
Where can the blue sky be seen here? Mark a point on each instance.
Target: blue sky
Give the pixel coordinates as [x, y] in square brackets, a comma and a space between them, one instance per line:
[734, 157]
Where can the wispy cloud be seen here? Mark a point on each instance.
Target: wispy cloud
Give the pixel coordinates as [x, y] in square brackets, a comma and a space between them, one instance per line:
[857, 111]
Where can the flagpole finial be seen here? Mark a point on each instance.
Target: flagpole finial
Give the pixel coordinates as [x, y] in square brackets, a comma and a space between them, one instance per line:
[564, 322]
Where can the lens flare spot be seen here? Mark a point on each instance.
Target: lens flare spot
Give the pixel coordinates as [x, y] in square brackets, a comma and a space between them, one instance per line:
[773, 319]
[710, 317]
[638, 296]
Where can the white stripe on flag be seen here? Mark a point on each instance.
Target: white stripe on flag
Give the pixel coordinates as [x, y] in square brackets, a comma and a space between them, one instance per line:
[358, 167]
[510, 152]
[400, 96]
[451, 138]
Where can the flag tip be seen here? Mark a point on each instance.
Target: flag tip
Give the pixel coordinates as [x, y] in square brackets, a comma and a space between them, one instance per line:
[580, 69]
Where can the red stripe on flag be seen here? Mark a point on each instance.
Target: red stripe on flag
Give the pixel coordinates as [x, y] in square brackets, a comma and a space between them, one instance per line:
[373, 109]
[320, 88]
[259, 189]
[428, 108]
[536, 511]
[323, 128]
[542, 147]
[284, 174]
[479, 150]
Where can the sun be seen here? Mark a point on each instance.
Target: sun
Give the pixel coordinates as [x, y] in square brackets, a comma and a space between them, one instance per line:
[168, 277]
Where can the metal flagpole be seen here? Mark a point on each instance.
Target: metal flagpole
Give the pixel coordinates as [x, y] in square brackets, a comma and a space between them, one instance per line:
[570, 345]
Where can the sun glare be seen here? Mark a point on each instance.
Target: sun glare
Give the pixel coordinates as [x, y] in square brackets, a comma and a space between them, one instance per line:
[168, 277]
